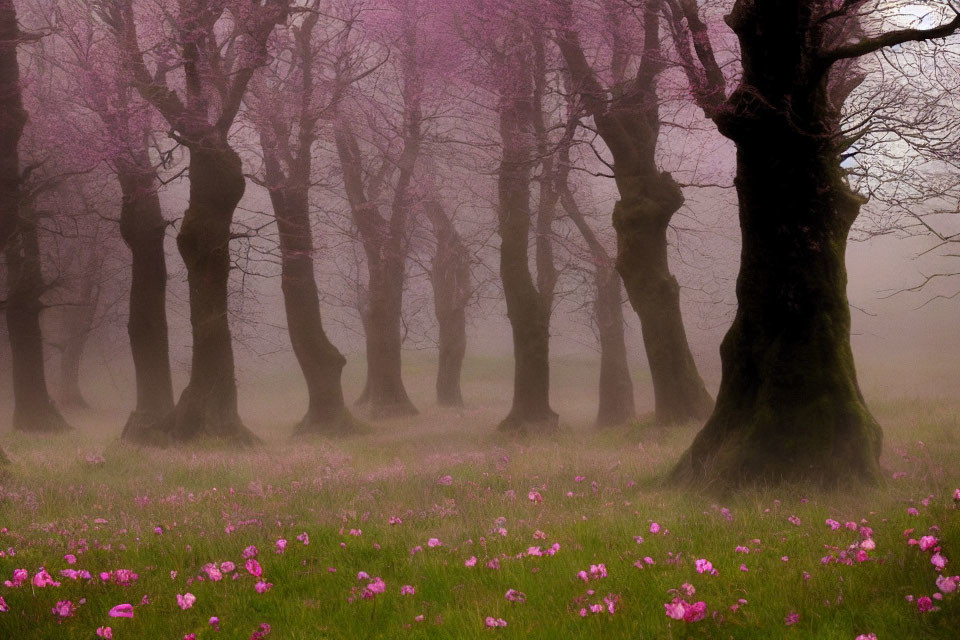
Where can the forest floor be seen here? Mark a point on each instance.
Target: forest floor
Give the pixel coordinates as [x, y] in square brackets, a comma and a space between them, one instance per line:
[435, 526]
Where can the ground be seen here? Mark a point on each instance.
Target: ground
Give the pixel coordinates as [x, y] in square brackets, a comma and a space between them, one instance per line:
[456, 491]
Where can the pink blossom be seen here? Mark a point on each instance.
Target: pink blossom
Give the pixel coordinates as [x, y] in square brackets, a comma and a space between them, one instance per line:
[64, 609]
[516, 596]
[867, 636]
[833, 524]
[407, 590]
[121, 611]
[280, 545]
[868, 544]
[43, 579]
[654, 527]
[470, 562]
[495, 622]
[253, 568]
[925, 604]
[186, 600]
[250, 552]
[792, 618]
[947, 585]
[105, 632]
[395, 520]
[744, 568]
[213, 573]
[535, 496]
[304, 538]
[263, 587]
[377, 585]
[70, 558]
[794, 520]
[705, 566]
[214, 622]
[912, 511]
[434, 542]
[927, 542]
[4, 607]
[445, 481]
[938, 560]
[227, 567]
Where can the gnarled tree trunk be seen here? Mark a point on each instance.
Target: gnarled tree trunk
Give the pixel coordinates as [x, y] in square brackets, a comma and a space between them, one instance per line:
[450, 277]
[33, 410]
[208, 405]
[143, 228]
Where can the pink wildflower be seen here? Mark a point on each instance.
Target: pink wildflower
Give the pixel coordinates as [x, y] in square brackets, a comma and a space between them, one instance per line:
[470, 562]
[105, 632]
[64, 609]
[927, 542]
[121, 611]
[280, 545]
[434, 542]
[495, 622]
[407, 590]
[654, 527]
[253, 568]
[535, 496]
[792, 618]
[186, 600]
[262, 586]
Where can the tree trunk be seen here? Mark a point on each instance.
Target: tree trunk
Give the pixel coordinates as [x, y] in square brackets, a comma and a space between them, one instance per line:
[641, 218]
[143, 229]
[13, 117]
[320, 361]
[616, 388]
[33, 410]
[450, 278]
[385, 391]
[79, 323]
[529, 316]
[789, 406]
[208, 405]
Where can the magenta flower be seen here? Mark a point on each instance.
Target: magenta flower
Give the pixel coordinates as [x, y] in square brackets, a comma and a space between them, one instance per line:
[947, 585]
[394, 520]
[654, 528]
[833, 524]
[105, 632]
[867, 636]
[304, 538]
[925, 604]
[938, 560]
[70, 558]
[470, 562]
[263, 587]
[4, 607]
[253, 568]
[445, 481]
[792, 618]
[434, 542]
[495, 622]
[927, 542]
[535, 497]
[705, 566]
[280, 545]
[43, 579]
[121, 611]
[63, 609]
[407, 590]
[186, 600]
[516, 596]
[250, 552]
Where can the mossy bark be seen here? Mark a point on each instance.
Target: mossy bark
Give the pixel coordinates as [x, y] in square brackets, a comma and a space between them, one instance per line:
[33, 409]
[143, 229]
[208, 405]
[789, 406]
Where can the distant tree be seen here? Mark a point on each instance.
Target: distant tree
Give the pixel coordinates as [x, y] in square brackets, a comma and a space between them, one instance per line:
[298, 91]
[626, 113]
[789, 406]
[217, 47]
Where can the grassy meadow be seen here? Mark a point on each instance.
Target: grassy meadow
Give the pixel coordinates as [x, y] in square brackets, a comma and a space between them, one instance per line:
[381, 530]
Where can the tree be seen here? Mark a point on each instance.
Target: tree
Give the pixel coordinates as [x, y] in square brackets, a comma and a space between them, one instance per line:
[616, 403]
[452, 290]
[219, 46]
[287, 142]
[626, 115]
[789, 406]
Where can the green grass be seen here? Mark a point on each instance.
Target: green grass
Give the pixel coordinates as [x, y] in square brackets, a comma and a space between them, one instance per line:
[50, 498]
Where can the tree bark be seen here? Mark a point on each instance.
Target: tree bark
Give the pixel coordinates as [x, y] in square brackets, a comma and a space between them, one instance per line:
[320, 361]
[528, 312]
[208, 405]
[143, 229]
[13, 118]
[450, 278]
[627, 117]
[33, 410]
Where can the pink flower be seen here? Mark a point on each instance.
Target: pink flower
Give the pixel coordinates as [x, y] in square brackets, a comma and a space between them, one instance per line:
[4, 607]
[581, 479]
[535, 496]
[395, 520]
[947, 585]
[227, 567]
[304, 538]
[445, 481]
[794, 520]
[377, 585]
[253, 568]
[705, 566]
[186, 600]
[70, 558]
[654, 528]
[792, 618]
[867, 636]
[742, 549]
[263, 587]
[215, 623]
[515, 596]
[868, 544]
[280, 545]
[680, 609]
[213, 573]
[925, 604]
[744, 568]
[43, 579]
[912, 512]
[938, 560]
[927, 542]
[250, 552]
[418, 618]
[407, 590]
[104, 632]
[495, 622]
[121, 611]
[833, 524]
[470, 562]
[695, 612]
[434, 542]
[63, 609]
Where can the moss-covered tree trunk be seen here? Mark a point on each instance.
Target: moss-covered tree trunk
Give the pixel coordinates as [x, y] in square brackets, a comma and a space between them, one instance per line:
[789, 407]
[616, 404]
[208, 405]
[33, 409]
[450, 278]
[320, 361]
[143, 229]
[527, 311]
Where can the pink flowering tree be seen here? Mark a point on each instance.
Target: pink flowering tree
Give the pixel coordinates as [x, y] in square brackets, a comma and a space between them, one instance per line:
[789, 405]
